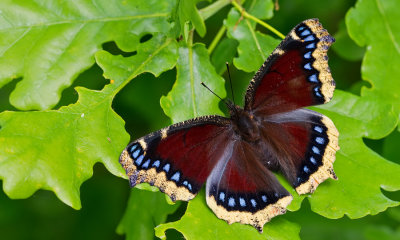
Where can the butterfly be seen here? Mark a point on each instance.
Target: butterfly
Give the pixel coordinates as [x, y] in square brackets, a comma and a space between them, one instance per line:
[236, 157]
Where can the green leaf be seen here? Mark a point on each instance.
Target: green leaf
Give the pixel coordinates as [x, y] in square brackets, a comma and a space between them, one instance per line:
[224, 52]
[345, 47]
[146, 210]
[199, 222]
[188, 12]
[254, 46]
[261, 9]
[361, 171]
[56, 150]
[374, 24]
[48, 43]
[188, 98]
[155, 56]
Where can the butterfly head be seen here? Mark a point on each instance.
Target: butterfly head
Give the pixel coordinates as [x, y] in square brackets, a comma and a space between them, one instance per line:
[244, 123]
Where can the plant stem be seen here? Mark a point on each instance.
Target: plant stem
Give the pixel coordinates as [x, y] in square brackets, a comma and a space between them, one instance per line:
[249, 16]
[213, 8]
[190, 38]
[216, 39]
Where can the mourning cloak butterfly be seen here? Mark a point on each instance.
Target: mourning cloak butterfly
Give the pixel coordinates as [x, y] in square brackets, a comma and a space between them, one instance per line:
[236, 156]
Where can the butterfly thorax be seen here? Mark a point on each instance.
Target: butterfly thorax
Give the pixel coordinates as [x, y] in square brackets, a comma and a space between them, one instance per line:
[245, 124]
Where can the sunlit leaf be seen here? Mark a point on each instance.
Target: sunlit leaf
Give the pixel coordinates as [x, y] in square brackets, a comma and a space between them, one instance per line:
[188, 98]
[254, 46]
[361, 171]
[374, 24]
[345, 47]
[48, 43]
[56, 149]
[188, 12]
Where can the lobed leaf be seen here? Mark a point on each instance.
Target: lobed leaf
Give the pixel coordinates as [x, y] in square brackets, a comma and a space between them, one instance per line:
[254, 46]
[374, 24]
[48, 43]
[188, 12]
[261, 9]
[56, 149]
[223, 53]
[361, 171]
[188, 98]
[345, 47]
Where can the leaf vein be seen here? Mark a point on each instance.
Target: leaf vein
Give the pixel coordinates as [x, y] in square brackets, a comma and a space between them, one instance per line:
[390, 32]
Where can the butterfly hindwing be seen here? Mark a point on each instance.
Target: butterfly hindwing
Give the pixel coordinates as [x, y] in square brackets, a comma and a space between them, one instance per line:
[296, 74]
[179, 158]
[241, 189]
[302, 145]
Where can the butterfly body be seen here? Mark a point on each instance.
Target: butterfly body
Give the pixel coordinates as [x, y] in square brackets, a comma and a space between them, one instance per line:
[245, 124]
[236, 157]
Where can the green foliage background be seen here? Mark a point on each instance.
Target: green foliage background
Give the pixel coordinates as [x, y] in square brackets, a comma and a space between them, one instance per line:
[80, 79]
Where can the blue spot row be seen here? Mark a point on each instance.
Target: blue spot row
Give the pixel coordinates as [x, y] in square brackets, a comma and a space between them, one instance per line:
[316, 149]
[187, 184]
[308, 66]
[317, 92]
[309, 38]
[305, 33]
[242, 202]
[253, 202]
[320, 140]
[264, 198]
[318, 129]
[313, 78]
[233, 202]
[313, 161]
[311, 46]
[138, 156]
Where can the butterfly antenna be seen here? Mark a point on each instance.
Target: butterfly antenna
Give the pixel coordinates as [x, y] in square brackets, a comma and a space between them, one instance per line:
[226, 103]
[230, 82]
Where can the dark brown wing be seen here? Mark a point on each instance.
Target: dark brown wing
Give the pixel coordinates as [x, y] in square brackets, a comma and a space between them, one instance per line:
[302, 145]
[178, 159]
[241, 189]
[295, 75]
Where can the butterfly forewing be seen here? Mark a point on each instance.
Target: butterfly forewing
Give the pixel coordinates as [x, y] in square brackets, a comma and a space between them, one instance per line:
[179, 158]
[295, 75]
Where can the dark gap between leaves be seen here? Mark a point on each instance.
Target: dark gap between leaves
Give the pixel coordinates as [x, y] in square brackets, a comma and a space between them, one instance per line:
[376, 145]
[395, 196]
[173, 234]
[386, 147]
[5, 92]
[92, 78]
[138, 103]
[178, 214]
[112, 48]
